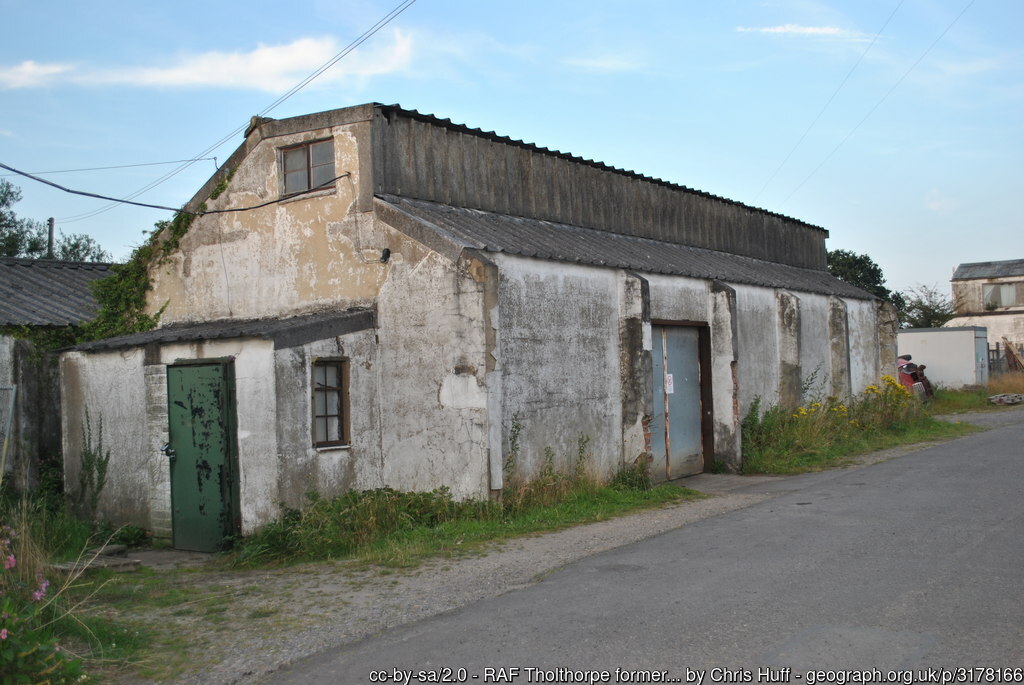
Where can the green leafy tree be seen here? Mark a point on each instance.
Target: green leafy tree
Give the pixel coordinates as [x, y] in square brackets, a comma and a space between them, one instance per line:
[28, 238]
[926, 307]
[862, 271]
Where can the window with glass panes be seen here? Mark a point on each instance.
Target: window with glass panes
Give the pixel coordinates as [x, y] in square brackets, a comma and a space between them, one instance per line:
[330, 403]
[308, 166]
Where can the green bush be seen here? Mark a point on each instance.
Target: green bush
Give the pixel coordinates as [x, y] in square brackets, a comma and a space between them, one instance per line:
[788, 440]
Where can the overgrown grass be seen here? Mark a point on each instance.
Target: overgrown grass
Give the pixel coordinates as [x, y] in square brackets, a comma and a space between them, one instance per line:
[828, 432]
[976, 399]
[42, 606]
[392, 528]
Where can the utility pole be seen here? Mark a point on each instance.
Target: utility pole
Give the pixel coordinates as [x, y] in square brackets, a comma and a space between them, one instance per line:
[49, 242]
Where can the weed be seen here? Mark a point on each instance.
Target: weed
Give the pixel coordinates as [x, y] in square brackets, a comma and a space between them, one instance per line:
[635, 477]
[512, 458]
[976, 398]
[821, 434]
[583, 456]
[398, 529]
[92, 475]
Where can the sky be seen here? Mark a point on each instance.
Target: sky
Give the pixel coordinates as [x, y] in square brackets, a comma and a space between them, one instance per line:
[897, 125]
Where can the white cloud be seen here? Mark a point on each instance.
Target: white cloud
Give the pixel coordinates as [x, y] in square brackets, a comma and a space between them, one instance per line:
[273, 68]
[605, 63]
[797, 30]
[29, 74]
[937, 202]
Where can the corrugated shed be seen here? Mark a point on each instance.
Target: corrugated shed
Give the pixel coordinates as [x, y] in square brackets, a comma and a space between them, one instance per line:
[1003, 269]
[490, 232]
[43, 292]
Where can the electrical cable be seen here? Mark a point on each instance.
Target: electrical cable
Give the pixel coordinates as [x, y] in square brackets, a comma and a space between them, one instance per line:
[401, 7]
[878, 104]
[828, 102]
[117, 201]
[120, 166]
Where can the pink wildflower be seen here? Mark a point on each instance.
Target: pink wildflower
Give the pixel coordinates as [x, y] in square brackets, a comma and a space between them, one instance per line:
[10, 561]
[3, 634]
[41, 592]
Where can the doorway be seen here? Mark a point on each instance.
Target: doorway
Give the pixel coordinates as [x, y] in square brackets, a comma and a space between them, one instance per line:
[677, 427]
[202, 454]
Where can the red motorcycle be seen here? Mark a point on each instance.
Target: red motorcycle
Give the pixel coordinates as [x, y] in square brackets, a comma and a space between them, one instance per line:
[911, 377]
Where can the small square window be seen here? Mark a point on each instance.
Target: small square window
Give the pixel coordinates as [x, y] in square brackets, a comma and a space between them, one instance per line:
[330, 403]
[308, 166]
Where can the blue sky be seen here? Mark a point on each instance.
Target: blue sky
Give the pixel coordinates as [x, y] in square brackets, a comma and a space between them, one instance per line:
[916, 160]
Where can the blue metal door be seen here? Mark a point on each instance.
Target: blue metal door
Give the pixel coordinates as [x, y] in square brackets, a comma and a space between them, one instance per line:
[676, 441]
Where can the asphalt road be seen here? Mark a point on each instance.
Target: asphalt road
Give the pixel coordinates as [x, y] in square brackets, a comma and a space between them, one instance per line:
[907, 565]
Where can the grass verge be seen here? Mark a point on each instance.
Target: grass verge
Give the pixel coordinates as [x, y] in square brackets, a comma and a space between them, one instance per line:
[391, 528]
[976, 399]
[829, 432]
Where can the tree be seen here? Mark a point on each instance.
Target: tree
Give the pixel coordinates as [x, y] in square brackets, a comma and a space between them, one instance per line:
[862, 271]
[926, 307]
[28, 238]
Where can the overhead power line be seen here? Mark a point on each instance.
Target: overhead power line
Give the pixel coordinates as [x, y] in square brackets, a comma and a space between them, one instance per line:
[401, 7]
[117, 201]
[879, 103]
[119, 166]
[829, 101]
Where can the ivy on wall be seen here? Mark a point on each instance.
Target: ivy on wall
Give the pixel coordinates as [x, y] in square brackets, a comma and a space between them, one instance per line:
[121, 296]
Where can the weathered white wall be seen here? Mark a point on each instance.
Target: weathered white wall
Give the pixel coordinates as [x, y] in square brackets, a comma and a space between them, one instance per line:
[757, 346]
[864, 362]
[955, 357]
[815, 357]
[559, 353]
[111, 387]
[432, 367]
[969, 296]
[302, 254]
[1009, 325]
[676, 298]
[328, 470]
[255, 408]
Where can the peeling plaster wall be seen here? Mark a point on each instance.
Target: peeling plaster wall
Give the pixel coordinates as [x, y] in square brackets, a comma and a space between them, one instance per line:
[863, 324]
[328, 470]
[635, 363]
[111, 387]
[302, 254]
[815, 355]
[255, 409]
[559, 351]
[677, 298]
[758, 346]
[127, 392]
[432, 367]
[1009, 325]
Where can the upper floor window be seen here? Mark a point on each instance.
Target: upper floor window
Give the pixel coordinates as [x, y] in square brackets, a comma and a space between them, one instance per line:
[1003, 294]
[308, 166]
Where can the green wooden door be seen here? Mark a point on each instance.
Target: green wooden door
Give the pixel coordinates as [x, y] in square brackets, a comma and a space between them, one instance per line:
[201, 417]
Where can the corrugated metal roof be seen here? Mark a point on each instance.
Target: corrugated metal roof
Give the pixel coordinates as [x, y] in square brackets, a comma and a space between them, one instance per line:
[43, 292]
[396, 109]
[1003, 269]
[295, 330]
[491, 232]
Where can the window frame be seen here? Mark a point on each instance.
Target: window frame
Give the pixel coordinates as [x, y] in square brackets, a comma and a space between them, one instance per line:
[1002, 295]
[344, 424]
[308, 167]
